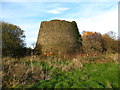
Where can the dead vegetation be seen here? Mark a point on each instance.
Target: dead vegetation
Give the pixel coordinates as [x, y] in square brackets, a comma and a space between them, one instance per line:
[19, 71]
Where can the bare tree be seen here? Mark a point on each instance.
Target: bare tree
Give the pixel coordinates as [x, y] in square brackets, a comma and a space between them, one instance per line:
[32, 55]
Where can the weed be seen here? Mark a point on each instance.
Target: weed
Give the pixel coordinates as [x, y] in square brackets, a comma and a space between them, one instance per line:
[51, 72]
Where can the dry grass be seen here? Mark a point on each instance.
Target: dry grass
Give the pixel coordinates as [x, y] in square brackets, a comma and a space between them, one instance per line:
[16, 72]
[20, 72]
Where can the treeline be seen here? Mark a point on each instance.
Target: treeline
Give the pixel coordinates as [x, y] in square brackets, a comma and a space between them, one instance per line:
[13, 43]
[97, 42]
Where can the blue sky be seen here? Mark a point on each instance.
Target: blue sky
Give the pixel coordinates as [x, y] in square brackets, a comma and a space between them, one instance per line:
[90, 16]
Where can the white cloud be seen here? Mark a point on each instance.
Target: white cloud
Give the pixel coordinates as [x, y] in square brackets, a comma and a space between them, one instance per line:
[54, 11]
[103, 23]
[57, 10]
[31, 32]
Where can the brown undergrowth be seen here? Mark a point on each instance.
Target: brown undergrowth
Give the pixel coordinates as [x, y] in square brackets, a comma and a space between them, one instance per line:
[23, 71]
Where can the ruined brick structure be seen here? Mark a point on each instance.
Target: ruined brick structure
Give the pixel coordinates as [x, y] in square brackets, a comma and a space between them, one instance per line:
[59, 37]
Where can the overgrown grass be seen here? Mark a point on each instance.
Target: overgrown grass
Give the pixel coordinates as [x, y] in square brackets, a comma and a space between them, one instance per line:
[53, 72]
[91, 76]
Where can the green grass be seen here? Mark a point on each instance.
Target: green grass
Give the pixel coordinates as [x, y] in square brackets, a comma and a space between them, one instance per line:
[53, 72]
[91, 76]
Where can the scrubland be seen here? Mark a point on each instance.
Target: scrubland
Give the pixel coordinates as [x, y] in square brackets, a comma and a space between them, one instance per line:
[82, 71]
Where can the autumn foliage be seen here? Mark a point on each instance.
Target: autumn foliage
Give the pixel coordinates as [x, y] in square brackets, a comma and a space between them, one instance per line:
[94, 41]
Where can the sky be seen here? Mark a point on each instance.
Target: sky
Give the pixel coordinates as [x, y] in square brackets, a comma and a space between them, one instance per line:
[90, 16]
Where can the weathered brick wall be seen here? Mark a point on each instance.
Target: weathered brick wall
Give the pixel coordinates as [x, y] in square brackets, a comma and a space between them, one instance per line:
[59, 36]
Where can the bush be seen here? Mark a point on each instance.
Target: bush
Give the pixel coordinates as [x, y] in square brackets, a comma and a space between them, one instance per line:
[12, 40]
